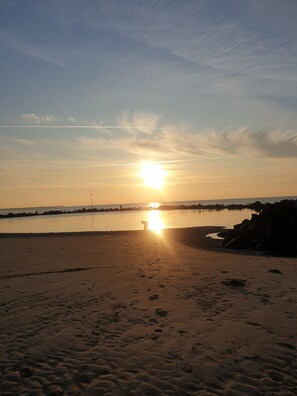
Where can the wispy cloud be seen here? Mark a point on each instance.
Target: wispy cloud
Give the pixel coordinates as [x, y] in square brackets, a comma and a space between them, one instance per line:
[146, 136]
[139, 122]
[39, 119]
[133, 123]
[169, 141]
[228, 50]
[52, 153]
[17, 44]
[213, 144]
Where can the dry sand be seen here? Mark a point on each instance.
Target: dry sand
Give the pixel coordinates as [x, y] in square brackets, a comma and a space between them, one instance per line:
[145, 315]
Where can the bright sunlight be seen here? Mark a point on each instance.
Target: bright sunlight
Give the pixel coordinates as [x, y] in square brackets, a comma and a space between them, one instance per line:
[153, 175]
[155, 222]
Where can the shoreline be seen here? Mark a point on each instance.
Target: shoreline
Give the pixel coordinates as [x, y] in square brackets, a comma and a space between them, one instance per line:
[193, 237]
[80, 233]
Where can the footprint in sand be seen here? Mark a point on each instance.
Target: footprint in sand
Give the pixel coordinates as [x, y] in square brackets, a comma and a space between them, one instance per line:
[234, 282]
[109, 337]
[153, 320]
[196, 347]
[185, 367]
[26, 372]
[275, 376]
[290, 315]
[154, 336]
[83, 378]
[55, 390]
[161, 312]
[253, 323]
[275, 271]
[287, 346]
[154, 297]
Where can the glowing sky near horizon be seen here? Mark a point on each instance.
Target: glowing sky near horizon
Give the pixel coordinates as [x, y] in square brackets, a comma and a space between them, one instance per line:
[90, 90]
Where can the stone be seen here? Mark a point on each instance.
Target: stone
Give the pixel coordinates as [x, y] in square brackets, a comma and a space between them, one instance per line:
[273, 230]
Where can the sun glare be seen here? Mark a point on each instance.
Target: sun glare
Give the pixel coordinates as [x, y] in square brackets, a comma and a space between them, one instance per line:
[155, 222]
[154, 205]
[152, 175]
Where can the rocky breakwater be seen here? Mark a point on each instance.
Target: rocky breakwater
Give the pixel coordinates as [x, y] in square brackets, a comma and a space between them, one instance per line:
[273, 230]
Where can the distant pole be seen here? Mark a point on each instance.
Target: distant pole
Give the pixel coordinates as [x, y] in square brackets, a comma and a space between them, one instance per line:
[91, 201]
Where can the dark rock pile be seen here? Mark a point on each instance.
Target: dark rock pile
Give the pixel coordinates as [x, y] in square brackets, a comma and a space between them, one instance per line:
[273, 230]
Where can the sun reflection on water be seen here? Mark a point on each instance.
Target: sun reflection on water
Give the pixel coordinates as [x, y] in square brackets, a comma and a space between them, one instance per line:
[155, 222]
[154, 205]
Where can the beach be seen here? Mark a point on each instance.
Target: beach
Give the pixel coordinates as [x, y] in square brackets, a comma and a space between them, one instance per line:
[138, 313]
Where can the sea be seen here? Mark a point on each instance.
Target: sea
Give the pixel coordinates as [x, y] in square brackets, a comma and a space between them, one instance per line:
[130, 220]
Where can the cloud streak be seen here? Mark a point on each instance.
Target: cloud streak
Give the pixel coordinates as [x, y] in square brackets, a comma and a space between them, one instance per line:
[27, 49]
[167, 141]
[146, 135]
[45, 153]
[137, 123]
[39, 119]
[213, 144]
[92, 126]
[233, 55]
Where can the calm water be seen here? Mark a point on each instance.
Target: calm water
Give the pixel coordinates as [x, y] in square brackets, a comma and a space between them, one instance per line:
[117, 221]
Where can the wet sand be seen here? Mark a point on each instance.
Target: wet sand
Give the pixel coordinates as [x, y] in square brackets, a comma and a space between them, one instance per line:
[132, 313]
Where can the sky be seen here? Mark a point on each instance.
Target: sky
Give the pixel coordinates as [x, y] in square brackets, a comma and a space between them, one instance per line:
[91, 89]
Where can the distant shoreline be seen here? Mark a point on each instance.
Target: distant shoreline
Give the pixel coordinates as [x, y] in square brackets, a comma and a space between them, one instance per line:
[257, 206]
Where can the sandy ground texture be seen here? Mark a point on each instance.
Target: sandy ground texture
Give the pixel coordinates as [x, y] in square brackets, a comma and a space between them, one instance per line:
[132, 313]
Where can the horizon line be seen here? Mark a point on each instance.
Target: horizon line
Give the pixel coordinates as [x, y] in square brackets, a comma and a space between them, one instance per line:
[147, 203]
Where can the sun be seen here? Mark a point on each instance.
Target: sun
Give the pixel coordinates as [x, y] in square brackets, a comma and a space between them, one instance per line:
[153, 175]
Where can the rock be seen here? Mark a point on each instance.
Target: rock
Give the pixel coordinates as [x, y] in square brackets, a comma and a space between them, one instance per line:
[273, 230]
[239, 242]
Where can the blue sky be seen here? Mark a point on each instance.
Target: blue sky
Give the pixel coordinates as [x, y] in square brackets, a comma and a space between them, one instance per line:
[208, 88]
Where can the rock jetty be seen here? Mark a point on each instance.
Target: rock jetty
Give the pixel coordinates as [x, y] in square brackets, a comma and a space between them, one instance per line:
[273, 230]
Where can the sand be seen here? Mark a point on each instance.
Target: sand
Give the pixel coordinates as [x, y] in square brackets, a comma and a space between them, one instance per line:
[132, 313]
